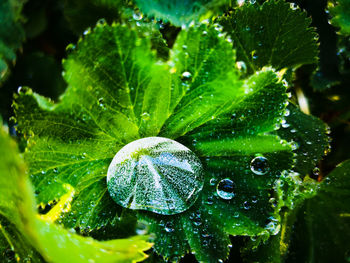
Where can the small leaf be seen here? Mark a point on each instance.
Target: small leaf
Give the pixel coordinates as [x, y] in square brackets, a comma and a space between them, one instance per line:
[271, 34]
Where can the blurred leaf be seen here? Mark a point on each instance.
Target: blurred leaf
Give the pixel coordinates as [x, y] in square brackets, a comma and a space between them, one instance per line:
[25, 229]
[179, 12]
[11, 33]
[341, 15]
[82, 14]
[322, 229]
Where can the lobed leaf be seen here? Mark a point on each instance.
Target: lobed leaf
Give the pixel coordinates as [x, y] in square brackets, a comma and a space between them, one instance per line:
[119, 92]
[272, 34]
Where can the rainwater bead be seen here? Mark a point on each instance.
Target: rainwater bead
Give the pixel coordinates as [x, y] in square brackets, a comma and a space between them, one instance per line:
[155, 174]
[259, 165]
[225, 189]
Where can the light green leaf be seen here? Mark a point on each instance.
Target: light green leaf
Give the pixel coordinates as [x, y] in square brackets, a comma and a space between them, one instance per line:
[341, 15]
[11, 33]
[26, 230]
[272, 34]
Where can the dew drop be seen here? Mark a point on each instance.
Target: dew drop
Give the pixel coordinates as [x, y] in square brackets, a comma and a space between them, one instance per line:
[316, 171]
[259, 165]
[225, 189]
[186, 76]
[212, 181]
[137, 16]
[241, 66]
[169, 227]
[70, 48]
[155, 174]
[101, 22]
[145, 116]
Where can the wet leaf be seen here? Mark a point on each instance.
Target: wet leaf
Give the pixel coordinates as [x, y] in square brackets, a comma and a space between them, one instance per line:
[119, 92]
[272, 34]
[309, 136]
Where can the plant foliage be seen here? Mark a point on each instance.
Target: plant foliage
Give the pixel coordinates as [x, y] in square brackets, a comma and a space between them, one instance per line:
[231, 85]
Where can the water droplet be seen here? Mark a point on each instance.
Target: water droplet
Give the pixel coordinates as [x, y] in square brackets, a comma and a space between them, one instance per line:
[316, 171]
[101, 22]
[70, 48]
[241, 66]
[218, 27]
[247, 205]
[169, 227]
[87, 31]
[294, 146]
[225, 189]
[145, 116]
[212, 181]
[259, 165]
[141, 172]
[186, 76]
[137, 16]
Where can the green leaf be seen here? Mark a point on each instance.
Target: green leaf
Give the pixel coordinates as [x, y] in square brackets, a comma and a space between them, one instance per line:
[341, 15]
[82, 14]
[309, 136]
[321, 233]
[272, 34]
[179, 12]
[119, 92]
[11, 33]
[25, 229]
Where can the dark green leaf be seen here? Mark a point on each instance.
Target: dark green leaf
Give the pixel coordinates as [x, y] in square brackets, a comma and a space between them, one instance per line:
[321, 233]
[11, 33]
[309, 136]
[341, 15]
[272, 34]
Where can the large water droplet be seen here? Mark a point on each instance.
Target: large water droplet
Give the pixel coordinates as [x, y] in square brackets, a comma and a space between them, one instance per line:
[225, 189]
[155, 174]
[259, 165]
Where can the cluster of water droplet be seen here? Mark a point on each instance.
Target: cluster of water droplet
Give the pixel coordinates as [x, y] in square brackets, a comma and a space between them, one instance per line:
[225, 188]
